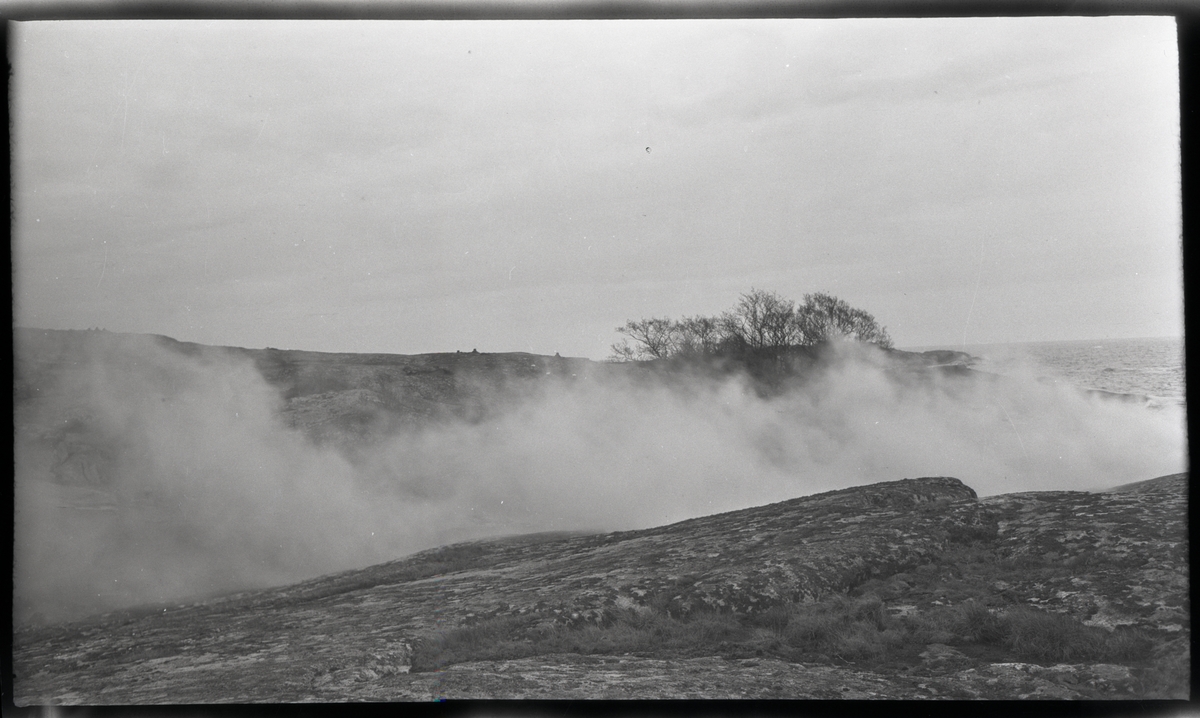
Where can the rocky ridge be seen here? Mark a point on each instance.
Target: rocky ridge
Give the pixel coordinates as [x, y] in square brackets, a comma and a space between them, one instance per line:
[350, 400]
[1114, 561]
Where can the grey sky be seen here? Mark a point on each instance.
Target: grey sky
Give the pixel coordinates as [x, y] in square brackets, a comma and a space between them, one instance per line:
[528, 186]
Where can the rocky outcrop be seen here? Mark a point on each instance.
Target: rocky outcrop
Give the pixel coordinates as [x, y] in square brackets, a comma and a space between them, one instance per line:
[1110, 559]
[1123, 552]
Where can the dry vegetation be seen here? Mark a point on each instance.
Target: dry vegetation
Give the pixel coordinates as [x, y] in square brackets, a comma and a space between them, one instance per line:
[855, 629]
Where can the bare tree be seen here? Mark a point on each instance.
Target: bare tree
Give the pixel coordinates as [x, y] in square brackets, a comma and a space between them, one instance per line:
[823, 316]
[760, 319]
[698, 335]
[621, 351]
[653, 338]
[777, 320]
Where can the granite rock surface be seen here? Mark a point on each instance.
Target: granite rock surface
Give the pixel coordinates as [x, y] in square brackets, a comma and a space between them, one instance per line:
[1110, 559]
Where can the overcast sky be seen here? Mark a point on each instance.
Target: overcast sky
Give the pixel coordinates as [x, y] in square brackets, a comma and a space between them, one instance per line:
[530, 185]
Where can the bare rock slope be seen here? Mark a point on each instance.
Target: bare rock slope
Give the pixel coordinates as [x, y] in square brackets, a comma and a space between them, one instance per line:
[906, 589]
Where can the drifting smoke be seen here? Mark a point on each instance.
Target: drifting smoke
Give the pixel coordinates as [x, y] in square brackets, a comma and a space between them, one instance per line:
[201, 487]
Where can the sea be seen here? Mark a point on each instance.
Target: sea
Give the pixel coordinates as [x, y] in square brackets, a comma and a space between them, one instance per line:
[1152, 368]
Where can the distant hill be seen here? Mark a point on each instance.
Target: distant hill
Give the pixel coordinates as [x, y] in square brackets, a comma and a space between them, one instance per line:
[352, 399]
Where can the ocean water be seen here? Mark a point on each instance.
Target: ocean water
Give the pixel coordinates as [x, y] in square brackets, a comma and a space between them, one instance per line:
[1153, 368]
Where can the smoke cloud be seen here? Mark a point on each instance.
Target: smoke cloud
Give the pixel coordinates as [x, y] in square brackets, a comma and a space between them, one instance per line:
[199, 487]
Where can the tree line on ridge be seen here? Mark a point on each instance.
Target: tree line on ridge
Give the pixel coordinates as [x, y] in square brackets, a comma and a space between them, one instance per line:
[760, 320]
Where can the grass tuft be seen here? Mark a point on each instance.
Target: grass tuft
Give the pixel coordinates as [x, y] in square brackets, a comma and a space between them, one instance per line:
[1041, 636]
[972, 622]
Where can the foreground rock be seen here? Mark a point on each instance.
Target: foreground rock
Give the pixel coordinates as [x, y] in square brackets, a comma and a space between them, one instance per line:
[572, 676]
[1110, 560]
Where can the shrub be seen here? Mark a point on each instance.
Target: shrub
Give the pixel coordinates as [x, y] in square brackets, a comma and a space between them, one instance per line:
[844, 627]
[870, 610]
[1039, 635]
[974, 623]
[496, 638]
[774, 619]
[811, 632]
[858, 642]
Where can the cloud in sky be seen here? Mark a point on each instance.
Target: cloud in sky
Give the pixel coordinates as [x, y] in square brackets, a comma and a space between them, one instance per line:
[430, 186]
